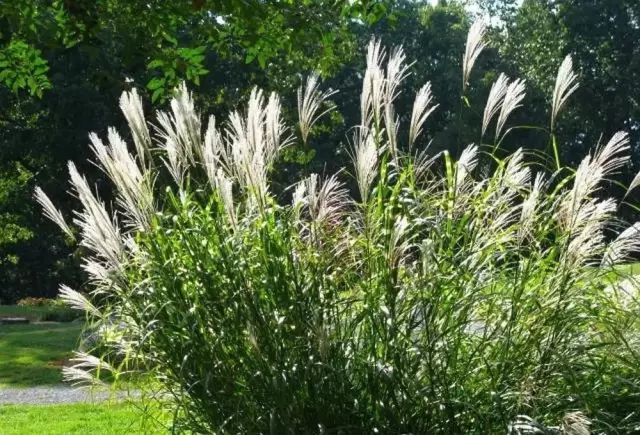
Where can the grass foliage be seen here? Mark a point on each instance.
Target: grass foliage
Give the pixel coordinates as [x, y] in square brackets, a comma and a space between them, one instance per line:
[77, 419]
[439, 295]
[34, 354]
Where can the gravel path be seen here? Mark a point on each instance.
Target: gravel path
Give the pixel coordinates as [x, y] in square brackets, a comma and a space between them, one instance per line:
[60, 394]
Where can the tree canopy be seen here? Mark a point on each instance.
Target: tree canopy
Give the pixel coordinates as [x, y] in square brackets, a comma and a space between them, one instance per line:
[64, 64]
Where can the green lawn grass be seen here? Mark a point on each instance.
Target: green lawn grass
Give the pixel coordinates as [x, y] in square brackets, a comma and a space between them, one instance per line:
[32, 355]
[94, 419]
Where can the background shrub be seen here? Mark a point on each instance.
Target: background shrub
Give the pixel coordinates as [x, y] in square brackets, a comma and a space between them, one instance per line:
[34, 302]
[43, 310]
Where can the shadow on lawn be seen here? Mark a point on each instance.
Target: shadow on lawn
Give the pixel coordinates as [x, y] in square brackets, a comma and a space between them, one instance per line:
[33, 354]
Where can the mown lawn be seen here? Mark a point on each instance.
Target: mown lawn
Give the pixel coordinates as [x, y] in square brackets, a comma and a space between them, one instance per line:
[94, 419]
[32, 355]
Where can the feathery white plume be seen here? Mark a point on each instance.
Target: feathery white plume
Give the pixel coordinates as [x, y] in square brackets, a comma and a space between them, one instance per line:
[373, 85]
[575, 423]
[180, 133]
[85, 369]
[422, 108]
[186, 122]
[423, 162]
[494, 101]
[475, 45]
[392, 124]
[513, 97]
[634, 183]
[299, 195]
[253, 143]
[175, 161]
[530, 204]
[212, 148]
[396, 73]
[51, 212]
[275, 127]
[516, 174]
[99, 275]
[398, 243]
[466, 164]
[79, 377]
[131, 106]
[83, 360]
[365, 161]
[225, 189]
[609, 157]
[77, 300]
[566, 84]
[99, 231]
[310, 100]
[590, 174]
[326, 201]
[588, 224]
[626, 243]
[299, 201]
[134, 190]
[247, 146]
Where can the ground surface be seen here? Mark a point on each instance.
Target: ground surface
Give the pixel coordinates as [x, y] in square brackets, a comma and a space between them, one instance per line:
[32, 355]
[53, 394]
[81, 419]
[33, 399]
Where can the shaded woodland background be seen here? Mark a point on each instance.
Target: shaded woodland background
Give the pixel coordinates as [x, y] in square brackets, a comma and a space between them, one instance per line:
[64, 64]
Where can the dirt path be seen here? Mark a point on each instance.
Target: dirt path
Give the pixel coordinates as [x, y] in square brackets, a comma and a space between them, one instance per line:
[60, 394]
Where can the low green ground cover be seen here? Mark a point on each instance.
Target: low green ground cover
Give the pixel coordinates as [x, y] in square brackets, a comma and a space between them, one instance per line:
[94, 419]
[33, 354]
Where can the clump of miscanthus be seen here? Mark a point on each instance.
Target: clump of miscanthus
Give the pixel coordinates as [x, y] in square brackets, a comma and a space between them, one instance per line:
[432, 300]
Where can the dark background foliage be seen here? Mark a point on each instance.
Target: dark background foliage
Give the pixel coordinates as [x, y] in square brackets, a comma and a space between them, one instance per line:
[64, 63]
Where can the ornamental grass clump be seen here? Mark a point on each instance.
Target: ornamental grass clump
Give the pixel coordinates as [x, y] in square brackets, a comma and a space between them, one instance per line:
[428, 299]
